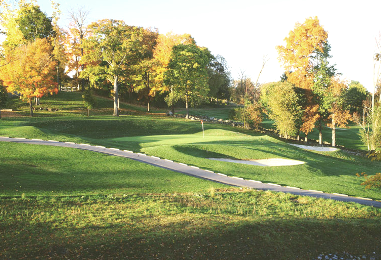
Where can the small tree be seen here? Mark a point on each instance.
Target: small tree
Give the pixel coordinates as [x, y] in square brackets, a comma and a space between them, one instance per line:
[88, 101]
[284, 106]
[339, 115]
[370, 131]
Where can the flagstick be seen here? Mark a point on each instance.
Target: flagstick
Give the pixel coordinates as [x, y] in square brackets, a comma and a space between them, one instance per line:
[203, 134]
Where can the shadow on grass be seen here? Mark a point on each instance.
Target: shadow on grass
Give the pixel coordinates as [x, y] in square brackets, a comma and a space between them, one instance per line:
[195, 239]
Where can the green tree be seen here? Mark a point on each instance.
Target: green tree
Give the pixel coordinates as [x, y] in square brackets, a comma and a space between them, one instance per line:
[144, 72]
[283, 103]
[219, 78]
[33, 23]
[88, 101]
[110, 52]
[355, 97]
[188, 74]
[323, 72]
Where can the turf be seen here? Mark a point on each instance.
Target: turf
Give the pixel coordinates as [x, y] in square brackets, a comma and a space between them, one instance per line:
[61, 203]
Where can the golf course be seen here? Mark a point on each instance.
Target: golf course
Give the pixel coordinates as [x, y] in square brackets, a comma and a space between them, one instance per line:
[65, 203]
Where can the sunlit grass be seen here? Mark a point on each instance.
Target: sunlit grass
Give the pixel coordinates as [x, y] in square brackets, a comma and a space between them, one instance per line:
[257, 224]
[63, 203]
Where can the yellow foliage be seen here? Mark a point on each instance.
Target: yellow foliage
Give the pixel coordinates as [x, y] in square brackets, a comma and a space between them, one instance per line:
[30, 70]
[162, 56]
[296, 55]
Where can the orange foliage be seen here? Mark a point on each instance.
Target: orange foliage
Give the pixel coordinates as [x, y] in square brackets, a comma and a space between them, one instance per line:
[339, 115]
[30, 70]
[296, 56]
[297, 59]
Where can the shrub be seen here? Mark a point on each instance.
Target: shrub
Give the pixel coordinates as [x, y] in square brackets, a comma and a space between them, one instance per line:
[371, 181]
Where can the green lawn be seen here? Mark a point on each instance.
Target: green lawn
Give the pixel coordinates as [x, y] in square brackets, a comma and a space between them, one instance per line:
[63, 203]
[182, 141]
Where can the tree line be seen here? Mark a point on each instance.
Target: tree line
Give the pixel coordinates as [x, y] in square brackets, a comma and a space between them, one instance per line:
[108, 55]
[311, 93]
[37, 56]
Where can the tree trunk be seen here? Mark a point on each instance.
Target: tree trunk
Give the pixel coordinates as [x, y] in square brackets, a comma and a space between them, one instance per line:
[186, 105]
[306, 139]
[116, 97]
[148, 106]
[320, 132]
[333, 131]
[31, 107]
[88, 112]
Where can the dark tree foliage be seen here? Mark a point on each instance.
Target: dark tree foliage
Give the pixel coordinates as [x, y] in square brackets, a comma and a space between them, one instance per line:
[3, 96]
[34, 24]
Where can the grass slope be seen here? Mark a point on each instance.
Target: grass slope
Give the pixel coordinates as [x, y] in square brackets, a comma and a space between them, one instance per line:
[64, 203]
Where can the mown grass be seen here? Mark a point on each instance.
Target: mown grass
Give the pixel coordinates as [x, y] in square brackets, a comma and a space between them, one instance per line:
[31, 170]
[64, 203]
[182, 141]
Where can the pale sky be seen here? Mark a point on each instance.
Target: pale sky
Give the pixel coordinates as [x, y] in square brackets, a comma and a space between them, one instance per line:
[244, 31]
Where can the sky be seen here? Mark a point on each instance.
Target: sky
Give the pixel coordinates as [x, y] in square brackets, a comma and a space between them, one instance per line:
[244, 31]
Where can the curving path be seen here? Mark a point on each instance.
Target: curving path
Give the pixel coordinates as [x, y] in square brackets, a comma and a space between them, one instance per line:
[196, 172]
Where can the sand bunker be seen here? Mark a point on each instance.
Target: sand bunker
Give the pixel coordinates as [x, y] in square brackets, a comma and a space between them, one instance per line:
[316, 148]
[263, 162]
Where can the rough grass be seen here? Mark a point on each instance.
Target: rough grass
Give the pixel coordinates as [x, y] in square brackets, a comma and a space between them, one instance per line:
[223, 224]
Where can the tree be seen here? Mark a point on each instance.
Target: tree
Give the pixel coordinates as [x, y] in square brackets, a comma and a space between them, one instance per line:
[30, 71]
[188, 73]
[9, 26]
[88, 101]
[113, 48]
[78, 31]
[355, 97]
[323, 73]
[33, 23]
[339, 115]
[283, 103]
[219, 78]
[297, 57]
[162, 56]
[144, 73]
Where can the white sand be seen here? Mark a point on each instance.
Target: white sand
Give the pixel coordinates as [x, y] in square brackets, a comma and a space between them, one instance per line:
[316, 148]
[263, 162]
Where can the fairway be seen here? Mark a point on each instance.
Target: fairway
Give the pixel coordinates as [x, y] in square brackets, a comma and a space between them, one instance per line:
[90, 204]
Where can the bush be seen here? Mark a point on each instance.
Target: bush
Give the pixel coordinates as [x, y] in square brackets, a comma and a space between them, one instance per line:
[251, 115]
[3, 97]
[371, 181]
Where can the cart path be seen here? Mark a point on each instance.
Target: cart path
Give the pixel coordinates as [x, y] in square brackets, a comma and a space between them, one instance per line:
[196, 172]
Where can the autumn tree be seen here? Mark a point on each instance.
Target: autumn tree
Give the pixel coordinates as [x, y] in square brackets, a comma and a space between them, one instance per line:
[162, 55]
[30, 71]
[339, 114]
[9, 25]
[144, 71]
[297, 58]
[188, 74]
[112, 49]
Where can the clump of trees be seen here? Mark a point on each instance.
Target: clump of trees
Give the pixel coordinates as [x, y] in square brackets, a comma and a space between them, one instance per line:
[109, 55]
[29, 63]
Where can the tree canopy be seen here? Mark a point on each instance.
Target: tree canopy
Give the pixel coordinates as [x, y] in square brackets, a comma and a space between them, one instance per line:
[187, 73]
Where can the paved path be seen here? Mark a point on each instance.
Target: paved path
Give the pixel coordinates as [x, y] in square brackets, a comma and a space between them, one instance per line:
[196, 172]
